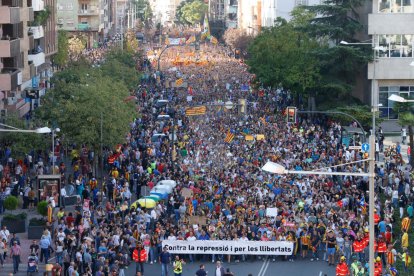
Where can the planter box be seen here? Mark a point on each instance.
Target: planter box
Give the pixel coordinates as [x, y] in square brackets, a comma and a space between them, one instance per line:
[36, 232]
[15, 226]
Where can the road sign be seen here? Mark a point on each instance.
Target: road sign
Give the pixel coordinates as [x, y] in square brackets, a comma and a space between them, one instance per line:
[354, 147]
[365, 147]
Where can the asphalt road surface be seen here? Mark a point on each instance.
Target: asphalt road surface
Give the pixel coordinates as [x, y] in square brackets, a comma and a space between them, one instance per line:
[256, 268]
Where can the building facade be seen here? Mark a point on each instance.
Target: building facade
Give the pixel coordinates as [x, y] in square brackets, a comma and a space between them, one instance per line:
[28, 40]
[87, 17]
[391, 25]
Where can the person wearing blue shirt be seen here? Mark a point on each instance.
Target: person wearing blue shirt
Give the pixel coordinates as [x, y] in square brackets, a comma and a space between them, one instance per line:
[165, 259]
[44, 248]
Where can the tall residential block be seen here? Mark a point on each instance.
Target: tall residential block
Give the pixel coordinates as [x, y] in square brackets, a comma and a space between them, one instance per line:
[28, 39]
[92, 18]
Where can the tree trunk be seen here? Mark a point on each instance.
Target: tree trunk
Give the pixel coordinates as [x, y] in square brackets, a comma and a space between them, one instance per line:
[411, 134]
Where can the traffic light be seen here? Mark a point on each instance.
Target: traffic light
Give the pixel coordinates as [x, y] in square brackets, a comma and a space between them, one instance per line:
[291, 114]
[242, 106]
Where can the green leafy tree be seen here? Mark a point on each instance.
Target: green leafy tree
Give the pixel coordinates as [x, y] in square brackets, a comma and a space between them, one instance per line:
[191, 12]
[283, 56]
[10, 203]
[336, 21]
[120, 66]
[22, 143]
[82, 95]
[62, 56]
[42, 208]
[361, 112]
[406, 118]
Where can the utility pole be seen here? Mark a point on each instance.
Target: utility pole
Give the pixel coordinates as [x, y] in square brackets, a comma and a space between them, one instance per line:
[102, 158]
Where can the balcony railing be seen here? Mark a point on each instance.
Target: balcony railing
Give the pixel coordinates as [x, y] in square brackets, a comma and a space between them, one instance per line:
[88, 12]
[38, 5]
[83, 26]
[37, 31]
[9, 15]
[10, 78]
[9, 47]
[38, 58]
[31, 14]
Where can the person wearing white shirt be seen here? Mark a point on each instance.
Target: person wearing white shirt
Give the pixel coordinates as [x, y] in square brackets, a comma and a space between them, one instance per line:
[4, 234]
[191, 238]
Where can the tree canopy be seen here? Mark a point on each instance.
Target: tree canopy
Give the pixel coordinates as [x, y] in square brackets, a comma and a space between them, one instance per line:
[144, 12]
[305, 54]
[191, 12]
[82, 94]
[22, 143]
[61, 58]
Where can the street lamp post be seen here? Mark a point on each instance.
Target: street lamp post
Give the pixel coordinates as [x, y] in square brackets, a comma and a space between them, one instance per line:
[371, 176]
[42, 130]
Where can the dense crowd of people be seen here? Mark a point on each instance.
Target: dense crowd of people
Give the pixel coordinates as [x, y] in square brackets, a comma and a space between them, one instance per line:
[325, 217]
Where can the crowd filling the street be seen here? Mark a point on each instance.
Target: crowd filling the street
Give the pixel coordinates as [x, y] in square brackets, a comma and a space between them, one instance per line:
[181, 176]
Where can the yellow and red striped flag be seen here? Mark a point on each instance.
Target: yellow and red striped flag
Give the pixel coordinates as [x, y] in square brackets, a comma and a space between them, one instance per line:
[263, 120]
[50, 213]
[229, 137]
[191, 39]
[213, 40]
[179, 82]
[195, 111]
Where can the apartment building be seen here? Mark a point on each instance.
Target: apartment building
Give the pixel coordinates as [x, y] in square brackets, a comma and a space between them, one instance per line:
[28, 39]
[91, 18]
[391, 25]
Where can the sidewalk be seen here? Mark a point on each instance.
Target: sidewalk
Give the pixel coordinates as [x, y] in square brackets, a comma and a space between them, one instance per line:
[392, 140]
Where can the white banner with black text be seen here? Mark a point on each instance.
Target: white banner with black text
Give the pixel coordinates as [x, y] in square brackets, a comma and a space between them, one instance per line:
[229, 247]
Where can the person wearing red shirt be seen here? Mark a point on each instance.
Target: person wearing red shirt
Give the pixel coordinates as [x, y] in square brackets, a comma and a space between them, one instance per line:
[342, 268]
[70, 219]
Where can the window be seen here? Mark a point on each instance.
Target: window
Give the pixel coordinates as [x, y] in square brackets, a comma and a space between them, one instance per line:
[387, 109]
[395, 46]
[395, 6]
[301, 2]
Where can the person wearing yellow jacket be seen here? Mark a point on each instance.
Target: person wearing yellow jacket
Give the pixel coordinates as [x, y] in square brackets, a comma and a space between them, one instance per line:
[178, 266]
[406, 259]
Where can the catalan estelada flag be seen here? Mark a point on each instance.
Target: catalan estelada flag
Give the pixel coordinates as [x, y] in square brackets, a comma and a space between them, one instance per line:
[49, 213]
[229, 137]
[191, 39]
[213, 40]
[195, 111]
[179, 82]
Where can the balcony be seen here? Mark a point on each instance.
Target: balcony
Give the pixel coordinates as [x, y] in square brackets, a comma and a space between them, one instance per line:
[10, 78]
[9, 48]
[37, 32]
[88, 12]
[38, 5]
[9, 15]
[31, 14]
[84, 27]
[37, 58]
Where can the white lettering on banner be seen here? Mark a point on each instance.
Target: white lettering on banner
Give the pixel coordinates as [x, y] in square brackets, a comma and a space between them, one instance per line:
[230, 247]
